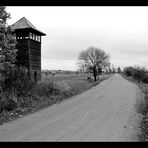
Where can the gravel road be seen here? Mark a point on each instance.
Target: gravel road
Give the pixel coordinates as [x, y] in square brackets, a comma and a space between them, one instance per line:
[107, 112]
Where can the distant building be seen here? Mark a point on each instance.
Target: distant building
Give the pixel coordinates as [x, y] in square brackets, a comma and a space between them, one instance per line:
[29, 47]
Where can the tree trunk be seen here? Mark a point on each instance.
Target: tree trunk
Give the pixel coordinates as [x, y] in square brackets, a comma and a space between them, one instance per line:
[95, 74]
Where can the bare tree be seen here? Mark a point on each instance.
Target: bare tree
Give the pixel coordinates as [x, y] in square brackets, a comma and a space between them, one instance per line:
[92, 59]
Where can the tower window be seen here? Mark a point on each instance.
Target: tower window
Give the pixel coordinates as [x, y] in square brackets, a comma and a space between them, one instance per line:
[30, 35]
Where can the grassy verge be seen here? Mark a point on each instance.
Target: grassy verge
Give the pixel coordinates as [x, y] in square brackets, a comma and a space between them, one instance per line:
[143, 109]
[47, 94]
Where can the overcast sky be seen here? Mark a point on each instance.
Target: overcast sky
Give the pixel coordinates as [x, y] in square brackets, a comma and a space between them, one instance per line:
[120, 31]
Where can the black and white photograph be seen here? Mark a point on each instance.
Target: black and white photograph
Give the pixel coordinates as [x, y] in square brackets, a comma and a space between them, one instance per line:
[73, 73]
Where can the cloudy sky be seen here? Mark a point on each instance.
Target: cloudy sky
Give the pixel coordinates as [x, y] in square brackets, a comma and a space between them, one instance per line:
[120, 31]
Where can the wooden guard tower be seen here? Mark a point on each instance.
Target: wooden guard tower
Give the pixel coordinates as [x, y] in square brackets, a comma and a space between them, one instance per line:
[29, 47]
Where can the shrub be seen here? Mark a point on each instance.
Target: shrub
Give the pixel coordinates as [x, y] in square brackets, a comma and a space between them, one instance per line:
[138, 73]
[145, 79]
[63, 86]
[7, 103]
[144, 105]
[16, 86]
[1, 105]
[128, 71]
[10, 105]
[46, 89]
[18, 83]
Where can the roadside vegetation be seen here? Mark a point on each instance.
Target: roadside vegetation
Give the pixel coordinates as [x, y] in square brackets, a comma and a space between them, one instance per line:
[20, 96]
[139, 75]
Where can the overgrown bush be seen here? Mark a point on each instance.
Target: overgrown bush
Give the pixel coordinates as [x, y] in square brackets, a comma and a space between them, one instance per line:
[138, 73]
[128, 71]
[6, 102]
[144, 105]
[145, 79]
[15, 86]
[17, 82]
[47, 89]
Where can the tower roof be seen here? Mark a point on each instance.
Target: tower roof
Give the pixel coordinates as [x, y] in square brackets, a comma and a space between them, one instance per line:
[23, 23]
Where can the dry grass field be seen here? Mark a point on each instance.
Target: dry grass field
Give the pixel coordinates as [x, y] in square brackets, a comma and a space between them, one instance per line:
[59, 77]
[72, 81]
